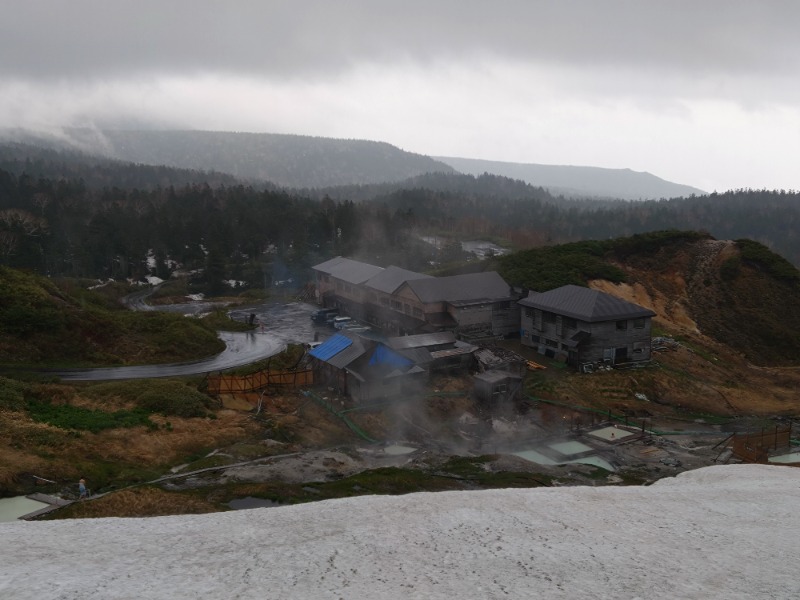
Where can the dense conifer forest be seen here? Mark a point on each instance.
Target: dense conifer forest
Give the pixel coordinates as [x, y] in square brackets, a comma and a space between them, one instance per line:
[65, 214]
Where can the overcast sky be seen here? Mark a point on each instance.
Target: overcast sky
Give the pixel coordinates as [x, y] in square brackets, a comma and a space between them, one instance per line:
[705, 93]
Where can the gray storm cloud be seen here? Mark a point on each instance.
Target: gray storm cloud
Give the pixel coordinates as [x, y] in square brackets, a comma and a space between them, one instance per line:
[88, 39]
[705, 93]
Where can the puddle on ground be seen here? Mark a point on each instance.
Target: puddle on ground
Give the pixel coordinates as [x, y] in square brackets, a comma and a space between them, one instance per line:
[251, 502]
[12, 509]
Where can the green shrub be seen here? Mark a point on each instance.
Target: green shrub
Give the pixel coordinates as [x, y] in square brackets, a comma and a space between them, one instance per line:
[649, 243]
[172, 398]
[729, 269]
[12, 394]
[762, 257]
[547, 268]
[66, 416]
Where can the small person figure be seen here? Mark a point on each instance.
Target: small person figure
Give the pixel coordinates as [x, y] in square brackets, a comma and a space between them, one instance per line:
[82, 492]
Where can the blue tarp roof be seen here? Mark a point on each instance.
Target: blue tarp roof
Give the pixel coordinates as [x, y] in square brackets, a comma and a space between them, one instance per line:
[331, 347]
[386, 356]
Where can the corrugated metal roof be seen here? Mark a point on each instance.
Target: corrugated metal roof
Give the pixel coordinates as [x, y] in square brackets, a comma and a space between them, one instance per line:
[348, 355]
[585, 304]
[469, 288]
[419, 356]
[391, 278]
[496, 376]
[351, 271]
[331, 347]
[422, 340]
[325, 267]
[459, 351]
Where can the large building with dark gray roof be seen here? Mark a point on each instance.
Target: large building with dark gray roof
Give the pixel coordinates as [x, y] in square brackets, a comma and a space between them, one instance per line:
[475, 305]
[397, 301]
[582, 326]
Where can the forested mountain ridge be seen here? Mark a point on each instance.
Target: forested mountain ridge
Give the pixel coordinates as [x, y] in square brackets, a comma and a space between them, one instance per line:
[96, 172]
[292, 161]
[578, 181]
[308, 163]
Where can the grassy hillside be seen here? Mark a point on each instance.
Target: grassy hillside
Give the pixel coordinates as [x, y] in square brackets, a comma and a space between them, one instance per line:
[739, 293]
[60, 323]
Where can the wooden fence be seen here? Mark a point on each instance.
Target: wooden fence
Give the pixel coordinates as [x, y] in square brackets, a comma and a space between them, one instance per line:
[232, 384]
[755, 447]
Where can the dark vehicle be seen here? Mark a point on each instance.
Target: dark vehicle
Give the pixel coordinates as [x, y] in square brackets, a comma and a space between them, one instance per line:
[324, 315]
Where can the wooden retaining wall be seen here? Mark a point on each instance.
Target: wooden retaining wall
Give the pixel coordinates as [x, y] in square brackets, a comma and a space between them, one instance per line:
[755, 447]
[231, 384]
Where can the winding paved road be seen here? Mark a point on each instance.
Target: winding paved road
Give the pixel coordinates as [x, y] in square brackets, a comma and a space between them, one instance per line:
[242, 349]
[282, 324]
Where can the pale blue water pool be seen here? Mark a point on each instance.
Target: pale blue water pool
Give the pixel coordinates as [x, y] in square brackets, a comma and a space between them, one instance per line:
[12, 509]
[541, 459]
[570, 448]
[794, 457]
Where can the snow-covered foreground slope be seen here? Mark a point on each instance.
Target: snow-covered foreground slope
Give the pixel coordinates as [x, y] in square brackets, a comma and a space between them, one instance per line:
[720, 532]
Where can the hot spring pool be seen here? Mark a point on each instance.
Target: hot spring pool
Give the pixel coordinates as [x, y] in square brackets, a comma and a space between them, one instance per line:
[12, 509]
[398, 450]
[541, 459]
[570, 448]
[794, 457]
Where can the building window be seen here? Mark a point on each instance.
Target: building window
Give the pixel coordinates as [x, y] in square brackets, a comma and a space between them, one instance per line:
[397, 305]
[502, 305]
[551, 343]
[569, 323]
[535, 339]
[548, 317]
[417, 312]
[529, 312]
[385, 301]
[638, 323]
[564, 348]
[622, 325]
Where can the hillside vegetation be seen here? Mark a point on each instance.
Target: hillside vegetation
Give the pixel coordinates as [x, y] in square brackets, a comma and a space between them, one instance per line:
[59, 323]
[738, 293]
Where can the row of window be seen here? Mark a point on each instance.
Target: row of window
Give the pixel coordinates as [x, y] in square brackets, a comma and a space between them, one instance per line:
[536, 339]
[569, 323]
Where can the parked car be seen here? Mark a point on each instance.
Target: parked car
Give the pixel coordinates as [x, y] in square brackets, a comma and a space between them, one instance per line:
[323, 315]
[341, 322]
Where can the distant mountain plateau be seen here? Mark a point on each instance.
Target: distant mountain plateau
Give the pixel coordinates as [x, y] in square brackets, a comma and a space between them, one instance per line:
[306, 162]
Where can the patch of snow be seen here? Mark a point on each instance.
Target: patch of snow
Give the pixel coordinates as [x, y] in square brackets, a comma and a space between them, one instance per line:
[719, 532]
[101, 284]
[197, 297]
[153, 280]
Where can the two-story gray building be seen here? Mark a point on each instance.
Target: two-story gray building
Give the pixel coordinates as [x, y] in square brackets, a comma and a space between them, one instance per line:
[581, 325]
[473, 306]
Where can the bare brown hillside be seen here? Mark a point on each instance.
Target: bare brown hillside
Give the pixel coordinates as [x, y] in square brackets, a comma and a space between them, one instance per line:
[720, 366]
[722, 290]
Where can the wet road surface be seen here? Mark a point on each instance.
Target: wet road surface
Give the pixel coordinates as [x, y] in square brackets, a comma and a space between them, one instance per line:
[282, 324]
